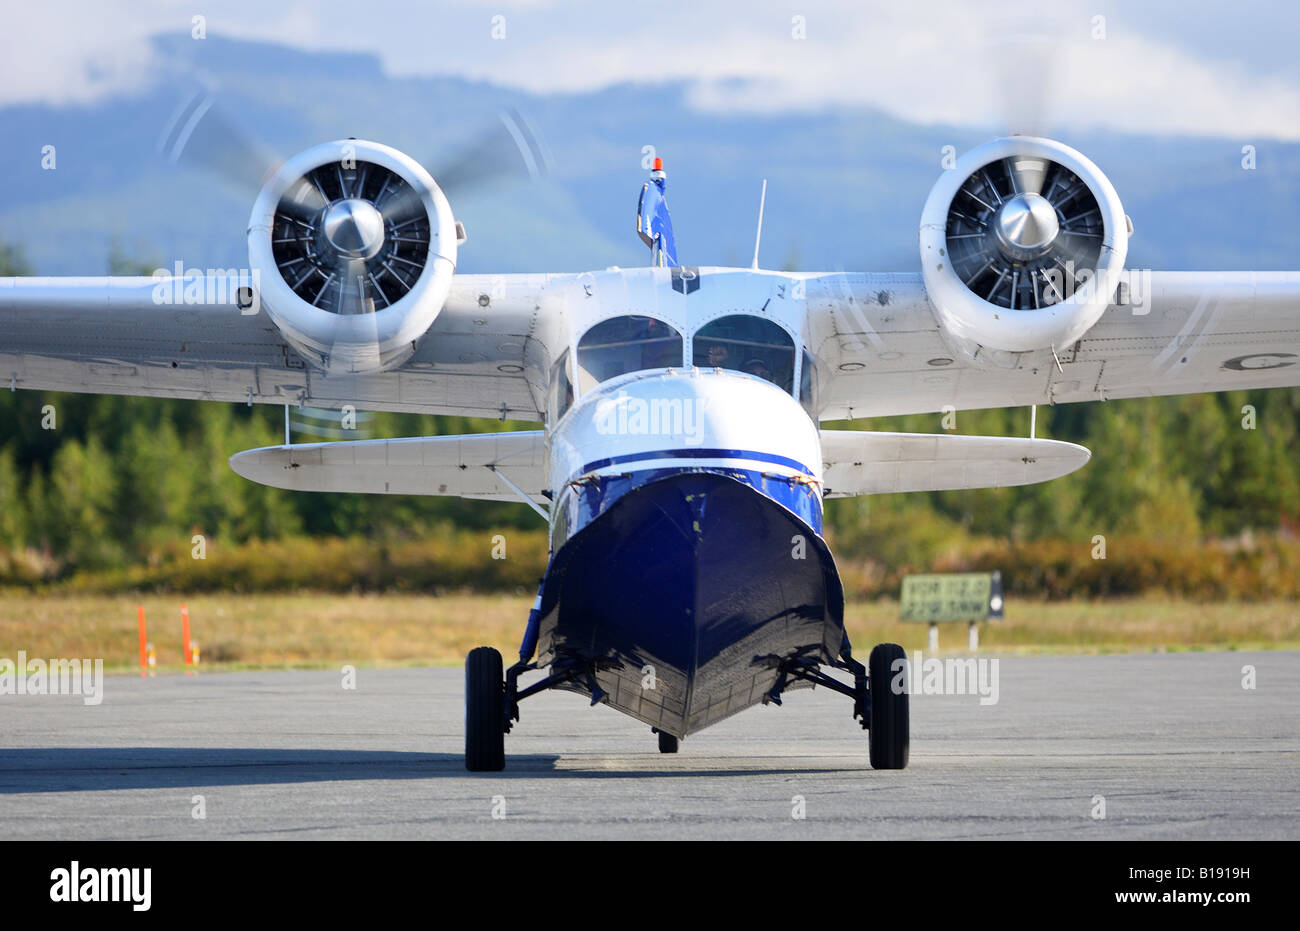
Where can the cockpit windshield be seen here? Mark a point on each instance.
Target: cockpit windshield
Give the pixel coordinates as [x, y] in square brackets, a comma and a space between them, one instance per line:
[626, 344]
[747, 344]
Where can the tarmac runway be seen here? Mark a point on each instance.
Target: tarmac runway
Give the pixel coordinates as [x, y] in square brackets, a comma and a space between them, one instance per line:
[1170, 745]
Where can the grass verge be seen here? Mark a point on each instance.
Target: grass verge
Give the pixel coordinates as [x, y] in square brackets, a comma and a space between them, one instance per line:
[320, 631]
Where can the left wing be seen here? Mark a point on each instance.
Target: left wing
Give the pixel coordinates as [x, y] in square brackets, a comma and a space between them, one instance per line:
[484, 355]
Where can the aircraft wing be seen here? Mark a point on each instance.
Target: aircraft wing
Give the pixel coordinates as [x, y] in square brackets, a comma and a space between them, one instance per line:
[480, 465]
[879, 345]
[860, 462]
[116, 336]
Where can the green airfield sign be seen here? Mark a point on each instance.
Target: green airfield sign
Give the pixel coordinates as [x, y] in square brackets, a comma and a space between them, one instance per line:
[957, 596]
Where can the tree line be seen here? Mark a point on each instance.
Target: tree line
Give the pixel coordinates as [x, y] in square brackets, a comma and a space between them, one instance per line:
[98, 482]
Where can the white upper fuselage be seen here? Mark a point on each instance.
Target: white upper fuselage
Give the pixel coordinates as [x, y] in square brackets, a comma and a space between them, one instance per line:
[683, 413]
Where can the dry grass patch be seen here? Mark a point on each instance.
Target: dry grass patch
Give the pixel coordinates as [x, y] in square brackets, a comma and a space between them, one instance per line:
[239, 631]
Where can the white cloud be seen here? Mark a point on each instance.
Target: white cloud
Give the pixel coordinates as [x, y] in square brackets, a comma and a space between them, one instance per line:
[943, 62]
[949, 61]
[68, 54]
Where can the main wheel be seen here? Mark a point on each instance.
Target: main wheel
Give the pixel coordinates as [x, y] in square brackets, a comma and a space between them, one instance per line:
[667, 743]
[890, 720]
[485, 696]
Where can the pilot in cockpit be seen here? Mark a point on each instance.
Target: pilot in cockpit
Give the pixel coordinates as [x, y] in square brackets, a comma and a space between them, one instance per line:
[758, 367]
[662, 347]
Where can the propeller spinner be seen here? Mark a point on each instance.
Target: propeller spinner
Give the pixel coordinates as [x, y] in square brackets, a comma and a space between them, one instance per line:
[1022, 244]
[351, 237]
[1023, 232]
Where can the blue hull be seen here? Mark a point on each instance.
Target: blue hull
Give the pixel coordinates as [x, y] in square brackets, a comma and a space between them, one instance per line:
[685, 594]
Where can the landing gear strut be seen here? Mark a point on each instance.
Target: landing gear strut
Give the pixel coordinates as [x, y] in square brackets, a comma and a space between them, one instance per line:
[881, 708]
[492, 702]
[879, 693]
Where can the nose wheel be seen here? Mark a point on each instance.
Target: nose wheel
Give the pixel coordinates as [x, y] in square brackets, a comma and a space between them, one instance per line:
[667, 742]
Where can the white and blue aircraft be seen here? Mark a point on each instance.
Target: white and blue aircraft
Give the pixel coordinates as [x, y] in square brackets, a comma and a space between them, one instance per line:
[679, 458]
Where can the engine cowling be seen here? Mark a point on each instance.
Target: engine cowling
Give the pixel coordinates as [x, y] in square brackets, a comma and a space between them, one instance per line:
[354, 245]
[1023, 244]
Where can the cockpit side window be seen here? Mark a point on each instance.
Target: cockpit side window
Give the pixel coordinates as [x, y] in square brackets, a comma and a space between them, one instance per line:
[560, 389]
[626, 344]
[808, 385]
[747, 344]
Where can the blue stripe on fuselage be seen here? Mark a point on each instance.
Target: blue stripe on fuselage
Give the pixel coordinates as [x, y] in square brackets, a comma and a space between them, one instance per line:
[698, 454]
[593, 496]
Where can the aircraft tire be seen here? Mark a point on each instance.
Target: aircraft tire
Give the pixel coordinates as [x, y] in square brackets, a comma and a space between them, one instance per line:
[667, 743]
[485, 737]
[890, 717]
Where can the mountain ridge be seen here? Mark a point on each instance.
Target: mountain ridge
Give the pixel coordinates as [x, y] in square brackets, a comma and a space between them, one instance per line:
[846, 184]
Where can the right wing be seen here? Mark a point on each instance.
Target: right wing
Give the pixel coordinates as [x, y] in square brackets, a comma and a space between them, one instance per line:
[879, 342]
[861, 462]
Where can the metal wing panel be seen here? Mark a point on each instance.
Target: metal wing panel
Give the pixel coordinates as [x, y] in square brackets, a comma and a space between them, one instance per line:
[1200, 331]
[110, 336]
[460, 466]
[866, 463]
[1195, 332]
[484, 356]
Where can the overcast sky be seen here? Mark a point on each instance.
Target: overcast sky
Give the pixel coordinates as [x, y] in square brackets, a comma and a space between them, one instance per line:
[1155, 66]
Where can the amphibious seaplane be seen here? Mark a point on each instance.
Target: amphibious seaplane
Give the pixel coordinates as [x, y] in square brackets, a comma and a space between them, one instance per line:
[679, 460]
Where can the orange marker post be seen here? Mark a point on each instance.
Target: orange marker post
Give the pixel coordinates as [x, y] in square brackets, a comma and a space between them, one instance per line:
[144, 646]
[185, 639]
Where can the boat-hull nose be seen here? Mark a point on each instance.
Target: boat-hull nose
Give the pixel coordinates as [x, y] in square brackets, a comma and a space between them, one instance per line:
[686, 595]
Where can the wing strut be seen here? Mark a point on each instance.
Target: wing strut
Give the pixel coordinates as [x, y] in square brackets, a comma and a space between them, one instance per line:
[523, 495]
